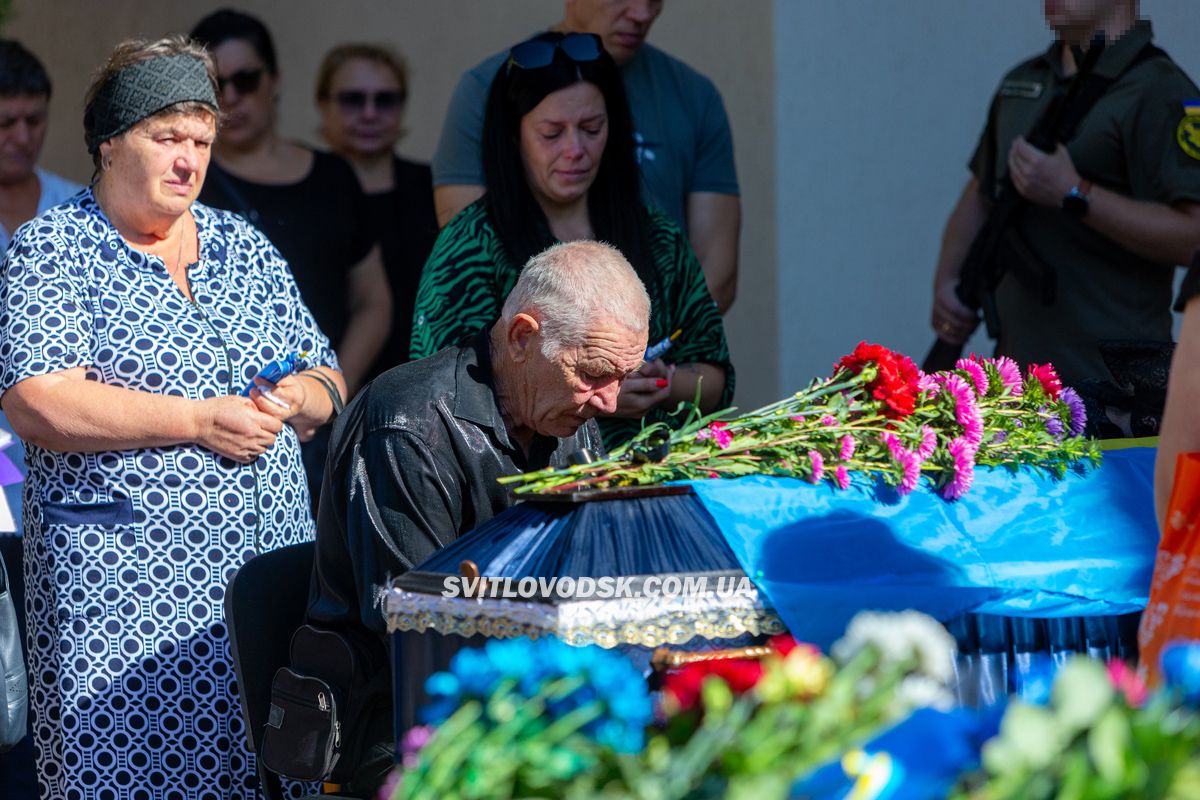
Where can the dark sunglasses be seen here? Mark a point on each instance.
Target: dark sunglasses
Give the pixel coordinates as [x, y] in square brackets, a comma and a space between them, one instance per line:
[244, 81]
[537, 53]
[351, 100]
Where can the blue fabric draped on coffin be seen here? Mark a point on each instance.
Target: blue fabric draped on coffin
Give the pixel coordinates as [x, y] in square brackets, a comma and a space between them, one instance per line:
[1018, 544]
[637, 536]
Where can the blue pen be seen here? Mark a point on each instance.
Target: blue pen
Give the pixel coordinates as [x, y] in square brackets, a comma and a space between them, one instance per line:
[659, 350]
[277, 370]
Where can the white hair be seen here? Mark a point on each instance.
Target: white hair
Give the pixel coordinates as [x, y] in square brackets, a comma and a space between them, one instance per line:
[572, 286]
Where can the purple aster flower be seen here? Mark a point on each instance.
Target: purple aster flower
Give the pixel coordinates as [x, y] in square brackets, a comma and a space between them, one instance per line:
[818, 466]
[1075, 406]
[841, 477]
[963, 454]
[1010, 374]
[928, 442]
[1054, 425]
[848, 445]
[975, 371]
[1000, 437]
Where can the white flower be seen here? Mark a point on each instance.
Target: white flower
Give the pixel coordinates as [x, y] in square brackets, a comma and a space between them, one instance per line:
[898, 637]
[921, 691]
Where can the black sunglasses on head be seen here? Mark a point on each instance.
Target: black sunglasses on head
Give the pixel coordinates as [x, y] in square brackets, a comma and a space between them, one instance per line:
[244, 81]
[352, 100]
[537, 53]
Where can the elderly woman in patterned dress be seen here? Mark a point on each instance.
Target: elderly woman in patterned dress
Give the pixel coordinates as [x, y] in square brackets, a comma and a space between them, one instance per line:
[131, 317]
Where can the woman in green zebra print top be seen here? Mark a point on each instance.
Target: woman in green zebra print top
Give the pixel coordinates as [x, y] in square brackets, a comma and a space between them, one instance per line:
[559, 165]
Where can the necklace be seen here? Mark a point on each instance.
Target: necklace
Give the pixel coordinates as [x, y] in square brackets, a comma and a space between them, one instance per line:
[179, 255]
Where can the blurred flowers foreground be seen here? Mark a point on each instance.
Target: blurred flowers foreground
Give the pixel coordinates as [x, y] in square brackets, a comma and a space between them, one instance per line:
[874, 719]
[877, 418]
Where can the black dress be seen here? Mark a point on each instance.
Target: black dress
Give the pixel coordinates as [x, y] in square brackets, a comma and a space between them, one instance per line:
[404, 222]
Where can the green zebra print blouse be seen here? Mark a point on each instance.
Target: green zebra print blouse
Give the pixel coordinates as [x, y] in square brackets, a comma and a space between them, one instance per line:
[468, 275]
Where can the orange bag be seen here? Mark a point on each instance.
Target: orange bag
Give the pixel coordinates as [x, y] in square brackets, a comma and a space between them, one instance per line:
[1173, 611]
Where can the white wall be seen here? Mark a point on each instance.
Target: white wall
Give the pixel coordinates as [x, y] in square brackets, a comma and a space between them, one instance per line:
[879, 104]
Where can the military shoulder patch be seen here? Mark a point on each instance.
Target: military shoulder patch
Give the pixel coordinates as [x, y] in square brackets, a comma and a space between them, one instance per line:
[1187, 134]
[1030, 90]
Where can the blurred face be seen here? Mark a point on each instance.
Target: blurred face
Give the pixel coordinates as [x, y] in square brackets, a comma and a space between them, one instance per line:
[157, 167]
[361, 116]
[1067, 16]
[247, 93]
[22, 131]
[562, 142]
[622, 24]
[579, 382]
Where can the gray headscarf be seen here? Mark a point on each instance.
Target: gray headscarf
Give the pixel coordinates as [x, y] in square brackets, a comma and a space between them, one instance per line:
[142, 90]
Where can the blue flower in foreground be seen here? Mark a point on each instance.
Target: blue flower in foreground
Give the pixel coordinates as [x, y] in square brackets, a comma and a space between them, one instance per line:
[1181, 669]
[609, 679]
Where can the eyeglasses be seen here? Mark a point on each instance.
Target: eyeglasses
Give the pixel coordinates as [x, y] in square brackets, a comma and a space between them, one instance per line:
[539, 52]
[244, 81]
[356, 100]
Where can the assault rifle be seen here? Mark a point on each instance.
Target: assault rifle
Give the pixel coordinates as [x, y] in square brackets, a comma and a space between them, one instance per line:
[999, 245]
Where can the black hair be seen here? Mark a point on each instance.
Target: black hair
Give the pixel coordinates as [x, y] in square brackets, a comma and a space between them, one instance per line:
[20, 71]
[225, 24]
[614, 198]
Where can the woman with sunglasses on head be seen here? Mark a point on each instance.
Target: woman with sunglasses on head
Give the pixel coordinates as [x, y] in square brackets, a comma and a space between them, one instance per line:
[308, 202]
[361, 93]
[559, 165]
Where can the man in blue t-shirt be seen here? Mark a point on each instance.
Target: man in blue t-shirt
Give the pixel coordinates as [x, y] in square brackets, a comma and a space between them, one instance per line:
[684, 145]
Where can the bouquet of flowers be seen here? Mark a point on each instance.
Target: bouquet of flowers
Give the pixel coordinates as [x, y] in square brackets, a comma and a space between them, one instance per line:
[878, 416]
[542, 719]
[1099, 734]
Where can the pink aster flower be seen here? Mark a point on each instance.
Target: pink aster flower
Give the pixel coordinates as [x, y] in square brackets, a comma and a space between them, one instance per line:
[1010, 374]
[797, 418]
[841, 476]
[975, 371]
[927, 383]
[893, 444]
[928, 442]
[966, 410]
[848, 445]
[910, 462]
[829, 419]
[1126, 681]
[717, 432]
[963, 454]
[818, 466]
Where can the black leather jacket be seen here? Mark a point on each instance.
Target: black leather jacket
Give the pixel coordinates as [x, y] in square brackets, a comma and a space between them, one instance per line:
[413, 463]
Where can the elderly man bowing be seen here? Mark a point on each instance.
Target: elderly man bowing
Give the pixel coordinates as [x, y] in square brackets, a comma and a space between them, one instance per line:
[414, 459]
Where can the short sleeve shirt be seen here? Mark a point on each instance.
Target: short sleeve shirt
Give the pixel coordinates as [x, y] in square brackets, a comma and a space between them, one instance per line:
[74, 294]
[1137, 140]
[683, 140]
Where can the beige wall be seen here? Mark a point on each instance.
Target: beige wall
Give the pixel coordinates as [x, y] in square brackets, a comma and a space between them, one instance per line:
[440, 39]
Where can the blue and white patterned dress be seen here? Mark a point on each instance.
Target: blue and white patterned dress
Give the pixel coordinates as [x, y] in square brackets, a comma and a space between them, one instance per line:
[127, 553]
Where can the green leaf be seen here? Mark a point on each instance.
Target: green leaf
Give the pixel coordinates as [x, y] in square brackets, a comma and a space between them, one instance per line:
[1108, 744]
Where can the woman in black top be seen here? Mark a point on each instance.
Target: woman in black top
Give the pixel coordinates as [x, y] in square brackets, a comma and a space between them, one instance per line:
[308, 203]
[361, 92]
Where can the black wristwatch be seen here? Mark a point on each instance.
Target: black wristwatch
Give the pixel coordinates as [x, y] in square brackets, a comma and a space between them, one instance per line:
[1075, 204]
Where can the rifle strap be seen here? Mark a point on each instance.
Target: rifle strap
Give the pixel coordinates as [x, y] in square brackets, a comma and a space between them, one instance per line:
[1092, 88]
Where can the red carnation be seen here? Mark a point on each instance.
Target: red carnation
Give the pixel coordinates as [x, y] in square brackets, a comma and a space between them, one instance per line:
[683, 684]
[1048, 378]
[895, 382]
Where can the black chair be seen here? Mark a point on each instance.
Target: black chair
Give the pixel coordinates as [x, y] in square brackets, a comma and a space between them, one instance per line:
[265, 602]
